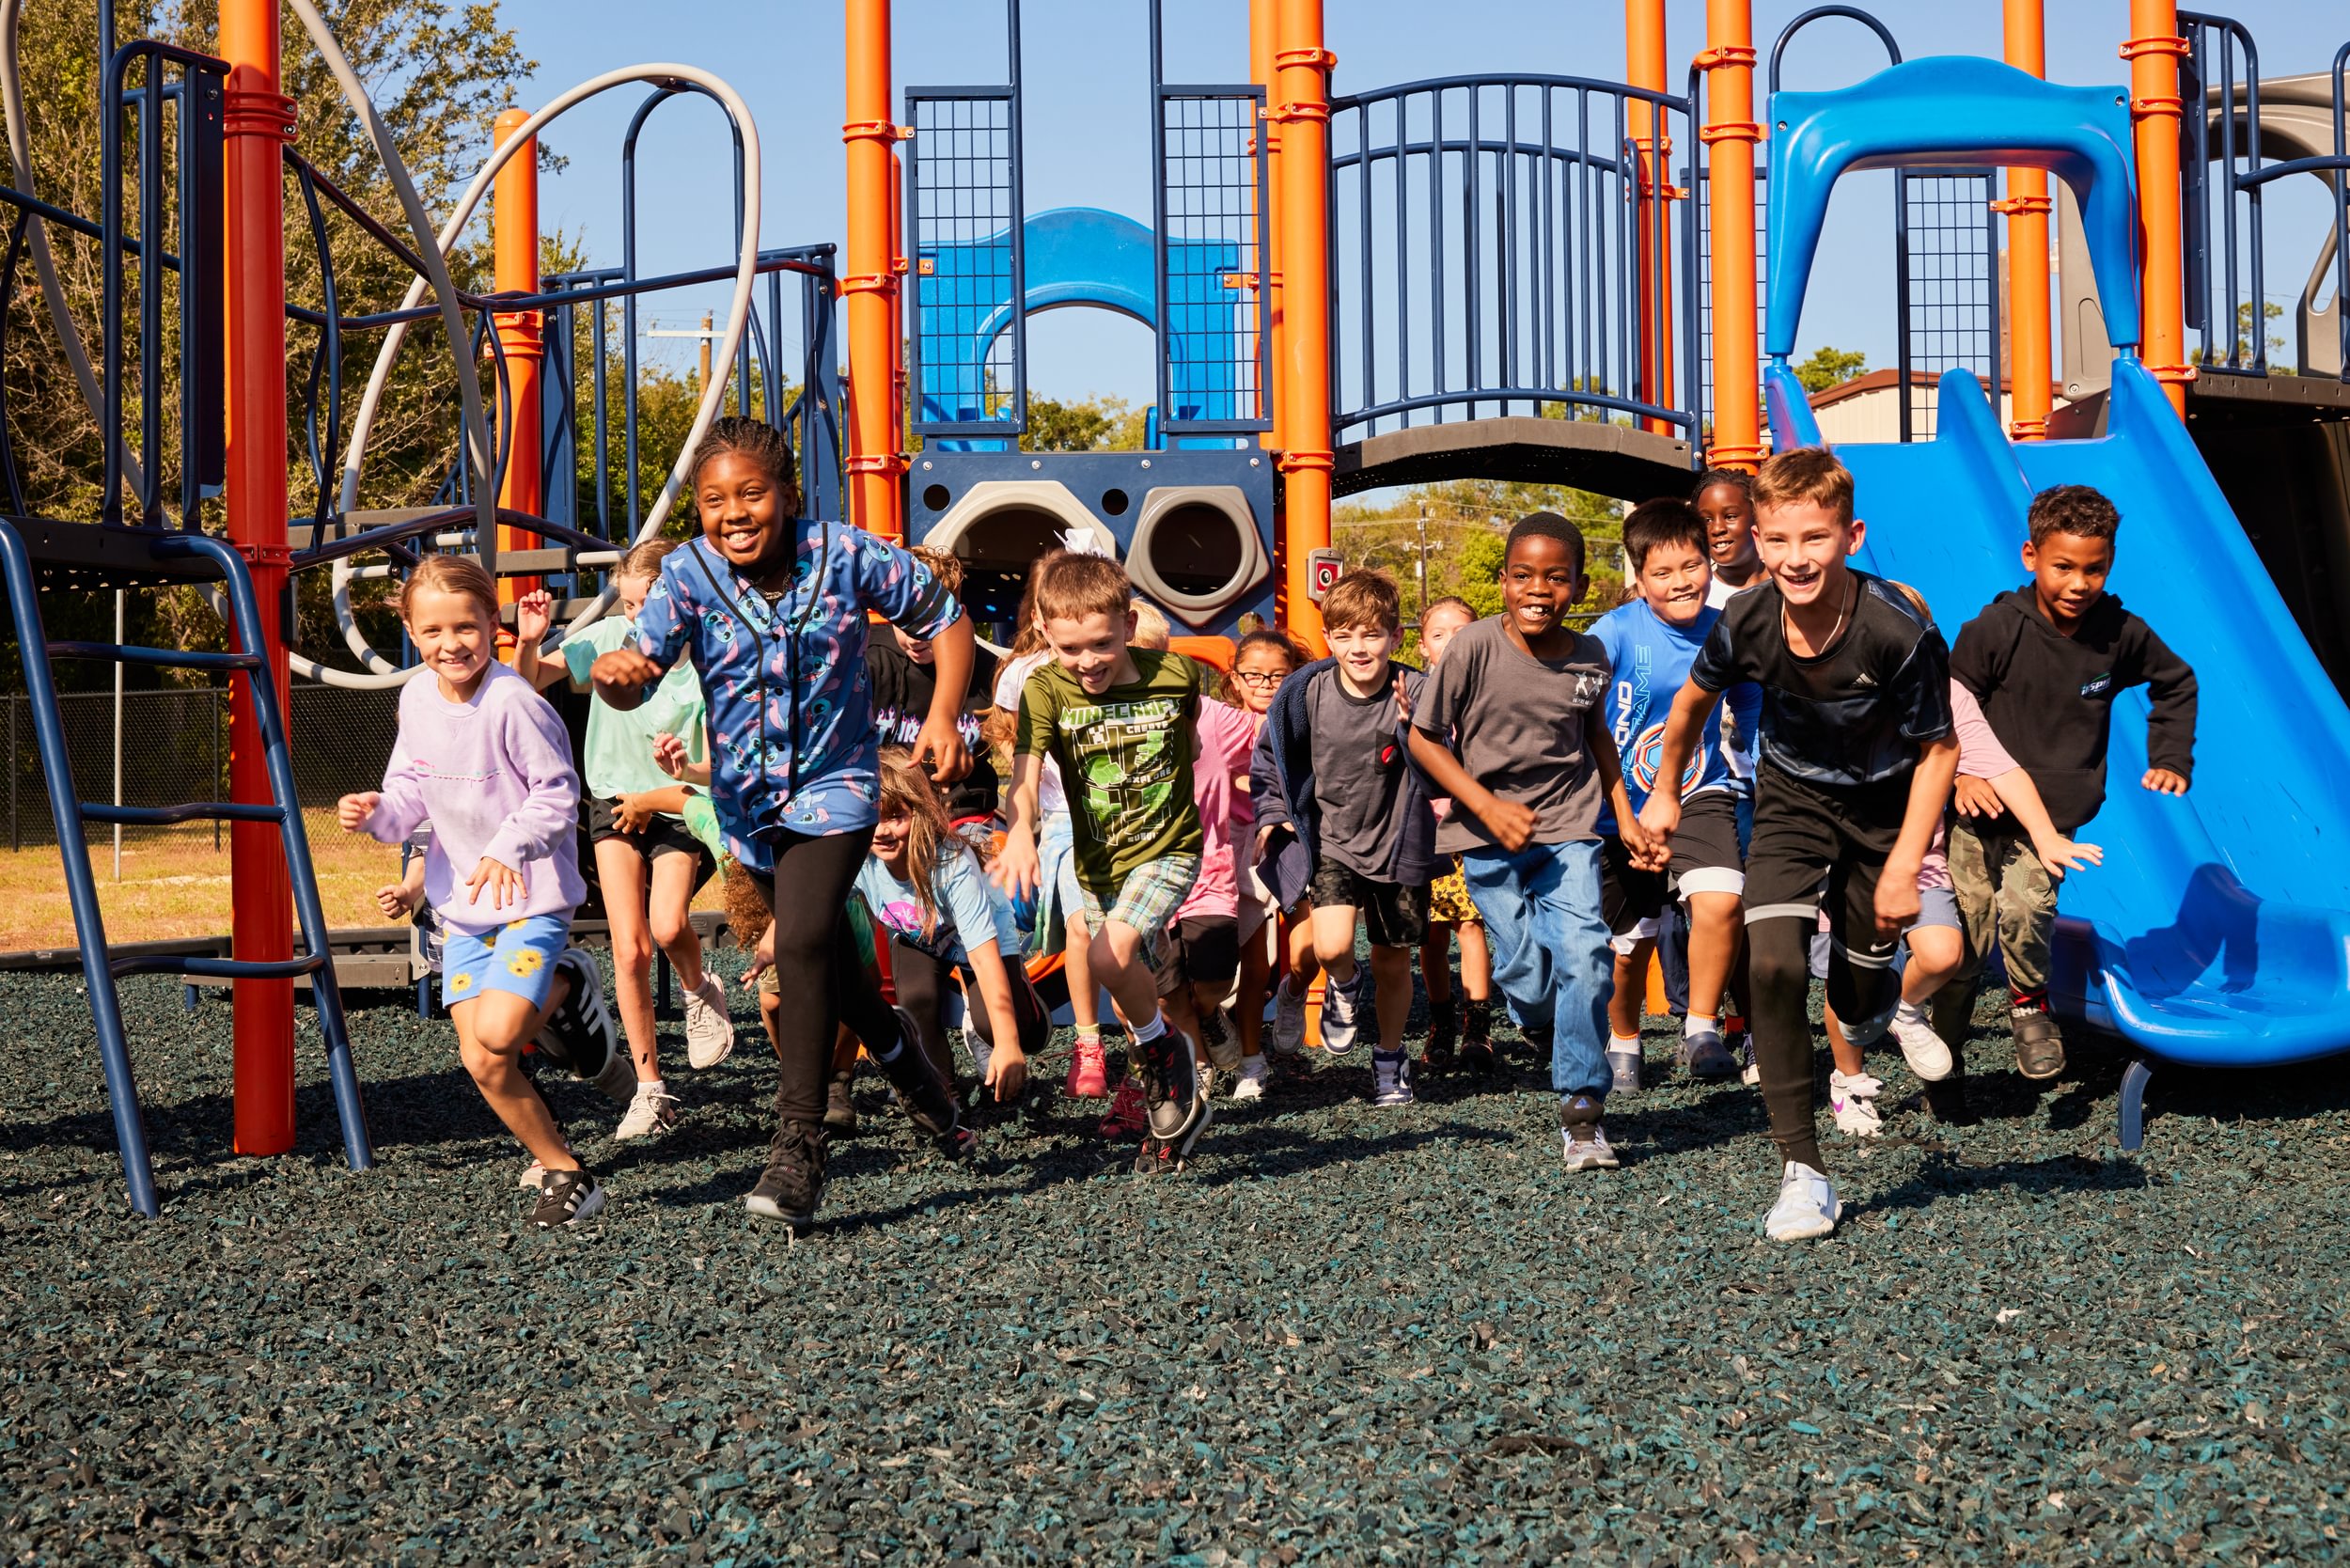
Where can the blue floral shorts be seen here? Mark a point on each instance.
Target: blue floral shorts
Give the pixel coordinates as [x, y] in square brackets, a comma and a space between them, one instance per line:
[518, 958]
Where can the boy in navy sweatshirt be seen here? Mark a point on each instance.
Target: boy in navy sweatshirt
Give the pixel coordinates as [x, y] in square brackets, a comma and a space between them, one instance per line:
[2046, 660]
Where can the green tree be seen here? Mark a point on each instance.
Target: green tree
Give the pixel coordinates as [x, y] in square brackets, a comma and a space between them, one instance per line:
[1829, 366]
[1094, 424]
[2271, 312]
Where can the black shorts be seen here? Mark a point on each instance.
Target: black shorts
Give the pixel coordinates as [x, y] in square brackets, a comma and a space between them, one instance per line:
[664, 834]
[1802, 834]
[1705, 859]
[1201, 950]
[1393, 915]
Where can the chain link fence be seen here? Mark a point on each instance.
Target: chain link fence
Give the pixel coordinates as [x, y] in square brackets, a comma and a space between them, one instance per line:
[174, 747]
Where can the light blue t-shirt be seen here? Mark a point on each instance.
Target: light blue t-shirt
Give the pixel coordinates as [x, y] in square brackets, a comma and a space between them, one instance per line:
[969, 909]
[1651, 659]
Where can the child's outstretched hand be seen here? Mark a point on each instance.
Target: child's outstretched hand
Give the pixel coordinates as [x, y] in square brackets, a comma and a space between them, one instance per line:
[671, 756]
[352, 811]
[1897, 898]
[2164, 782]
[397, 902]
[1511, 823]
[939, 751]
[2061, 854]
[622, 673]
[763, 960]
[503, 883]
[1015, 869]
[1403, 699]
[1977, 798]
[1007, 1071]
[533, 613]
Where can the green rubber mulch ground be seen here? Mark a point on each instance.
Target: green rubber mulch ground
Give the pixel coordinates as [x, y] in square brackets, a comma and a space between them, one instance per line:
[1346, 1334]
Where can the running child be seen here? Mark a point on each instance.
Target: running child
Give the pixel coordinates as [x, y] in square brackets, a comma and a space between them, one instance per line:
[1333, 770]
[1121, 721]
[1725, 501]
[904, 677]
[946, 925]
[648, 866]
[771, 610]
[1650, 643]
[2047, 661]
[484, 760]
[1856, 762]
[1261, 661]
[1467, 1015]
[1513, 728]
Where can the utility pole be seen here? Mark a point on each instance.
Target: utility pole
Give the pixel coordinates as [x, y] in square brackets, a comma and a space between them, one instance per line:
[709, 331]
[1420, 559]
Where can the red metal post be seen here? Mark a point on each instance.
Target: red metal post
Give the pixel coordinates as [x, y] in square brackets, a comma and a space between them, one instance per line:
[1730, 134]
[258, 122]
[2154, 51]
[1652, 141]
[514, 236]
[2025, 205]
[870, 279]
[1302, 113]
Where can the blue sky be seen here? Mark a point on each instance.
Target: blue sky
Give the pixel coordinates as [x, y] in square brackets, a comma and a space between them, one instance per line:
[1086, 75]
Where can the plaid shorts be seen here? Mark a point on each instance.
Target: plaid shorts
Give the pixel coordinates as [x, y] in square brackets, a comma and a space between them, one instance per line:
[1147, 901]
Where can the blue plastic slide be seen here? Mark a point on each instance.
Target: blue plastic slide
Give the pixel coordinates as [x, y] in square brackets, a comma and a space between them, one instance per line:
[2218, 931]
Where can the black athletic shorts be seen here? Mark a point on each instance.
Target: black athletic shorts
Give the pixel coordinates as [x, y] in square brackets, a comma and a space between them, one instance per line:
[1393, 915]
[1802, 834]
[1705, 859]
[664, 834]
[1201, 950]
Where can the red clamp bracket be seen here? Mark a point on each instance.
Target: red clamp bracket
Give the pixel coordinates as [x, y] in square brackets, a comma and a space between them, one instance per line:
[1292, 462]
[2028, 429]
[869, 283]
[2172, 375]
[876, 131]
[880, 462]
[279, 556]
[1730, 131]
[1320, 58]
[1289, 112]
[255, 112]
[2176, 47]
[1745, 459]
[1724, 56]
[2021, 204]
[2162, 106]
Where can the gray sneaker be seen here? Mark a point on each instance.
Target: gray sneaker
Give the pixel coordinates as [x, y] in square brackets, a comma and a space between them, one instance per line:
[649, 1113]
[1391, 1078]
[709, 1029]
[1585, 1143]
[1705, 1054]
[1340, 1006]
[1289, 1020]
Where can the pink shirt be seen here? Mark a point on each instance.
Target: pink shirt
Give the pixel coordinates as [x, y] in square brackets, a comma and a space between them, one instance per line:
[1227, 737]
[1980, 756]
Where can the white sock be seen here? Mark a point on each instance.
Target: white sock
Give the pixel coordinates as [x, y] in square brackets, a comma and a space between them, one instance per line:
[1146, 1033]
[651, 1086]
[1696, 1023]
[1622, 1041]
[1092, 1035]
[1910, 1012]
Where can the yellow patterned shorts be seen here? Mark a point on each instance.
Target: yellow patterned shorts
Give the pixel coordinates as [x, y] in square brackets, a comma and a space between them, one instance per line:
[1448, 901]
[518, 957]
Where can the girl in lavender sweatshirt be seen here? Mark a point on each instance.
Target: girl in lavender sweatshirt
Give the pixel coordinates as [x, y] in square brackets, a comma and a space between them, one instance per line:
[484, 760]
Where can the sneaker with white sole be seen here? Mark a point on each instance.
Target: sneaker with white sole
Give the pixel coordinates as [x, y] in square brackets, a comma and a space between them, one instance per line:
[1341, 1005]
[1926, 1052]
[1391, 1078]
[1289, 1019]
[1254, 1076]
[649, 1113]
[1854, 1101]
[1748, 1073]
[709, 1028]
[1221, 1036]
[566, 1197]
[1583, 1142]
[1807, 1205]
[1176, 1104]
[533, 1174]
[578, 1034]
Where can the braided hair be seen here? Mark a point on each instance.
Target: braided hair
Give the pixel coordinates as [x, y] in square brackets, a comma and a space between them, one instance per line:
[756, 440]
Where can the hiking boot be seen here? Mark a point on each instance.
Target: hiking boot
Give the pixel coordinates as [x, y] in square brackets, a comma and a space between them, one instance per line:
[792, 1186]
[566, 1197]
[1089, 1073]
[1444, 1029]
[839, 1109]
[1477, 1058]
[2038, 1048]
[709, 1028]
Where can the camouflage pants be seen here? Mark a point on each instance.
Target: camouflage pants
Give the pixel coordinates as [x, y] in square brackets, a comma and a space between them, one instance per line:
[2008, 901]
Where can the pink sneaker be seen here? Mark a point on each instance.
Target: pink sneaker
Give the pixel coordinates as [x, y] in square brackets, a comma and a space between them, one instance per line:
[1129, 1116]
[1088, 1075]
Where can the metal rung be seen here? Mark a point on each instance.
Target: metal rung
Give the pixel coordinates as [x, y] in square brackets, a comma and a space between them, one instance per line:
[216, 968]
[167, 658]
[165, 816]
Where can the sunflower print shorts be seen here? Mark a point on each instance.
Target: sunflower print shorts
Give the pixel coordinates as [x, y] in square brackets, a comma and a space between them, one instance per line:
[518, 957]
[1449, 899]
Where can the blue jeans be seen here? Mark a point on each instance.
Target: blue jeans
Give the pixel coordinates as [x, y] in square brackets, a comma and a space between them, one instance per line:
[1550, 950]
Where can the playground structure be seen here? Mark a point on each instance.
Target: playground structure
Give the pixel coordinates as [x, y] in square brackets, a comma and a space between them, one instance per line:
[1520, 275]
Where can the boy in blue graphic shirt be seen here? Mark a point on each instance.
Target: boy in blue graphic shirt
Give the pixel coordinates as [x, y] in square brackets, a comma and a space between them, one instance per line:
[1650, 643]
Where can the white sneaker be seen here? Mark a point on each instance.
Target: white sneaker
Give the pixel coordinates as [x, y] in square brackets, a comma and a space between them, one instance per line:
[709, 1029]
[1927, 1054]
[1339, 1005]
[1254, 1074]
[1854, 1101]
[1807, 1205]
[1289, 1020]
[1588, 1153]
[648, 1113]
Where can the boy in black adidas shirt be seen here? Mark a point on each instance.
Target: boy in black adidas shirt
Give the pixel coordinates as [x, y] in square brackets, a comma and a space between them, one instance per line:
[1856, 758]
[2046, 660]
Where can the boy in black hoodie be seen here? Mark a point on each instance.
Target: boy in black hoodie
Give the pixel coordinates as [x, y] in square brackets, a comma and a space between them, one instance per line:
[2046, 660]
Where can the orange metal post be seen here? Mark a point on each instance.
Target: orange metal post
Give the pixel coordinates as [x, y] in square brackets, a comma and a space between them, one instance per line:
[259, 121]
[2027, 209]
[1731, 133]
[1644, 67]
[2154, 52]
[514, 225]
[1303, 112]
[870, 281]
[1263, 27]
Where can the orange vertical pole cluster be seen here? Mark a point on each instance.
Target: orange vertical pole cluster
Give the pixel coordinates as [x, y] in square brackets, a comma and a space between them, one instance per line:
[1302, 113]
[514, 238]
[1731, 133]
[1644, 67]
[2027, 209]
[869, 282]
[258, 123]
[2154, 51]
[1263, 30]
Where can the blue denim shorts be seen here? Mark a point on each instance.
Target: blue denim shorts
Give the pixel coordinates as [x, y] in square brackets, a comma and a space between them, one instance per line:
[518, 958]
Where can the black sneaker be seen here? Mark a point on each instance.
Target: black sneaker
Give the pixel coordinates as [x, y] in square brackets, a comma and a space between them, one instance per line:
[2038, 1048]
[930, 1102]
[1177, 1111]
[839, 1110]
[566, 1197]
[580, 1036]
[1443, 1028]
[792, 1185]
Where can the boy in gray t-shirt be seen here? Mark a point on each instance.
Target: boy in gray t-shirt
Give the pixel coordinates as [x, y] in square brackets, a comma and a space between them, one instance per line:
[1334, 767]
[1515, 729]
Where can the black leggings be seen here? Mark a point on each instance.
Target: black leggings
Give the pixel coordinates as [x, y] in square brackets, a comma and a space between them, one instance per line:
[821, 977]
[922, 985]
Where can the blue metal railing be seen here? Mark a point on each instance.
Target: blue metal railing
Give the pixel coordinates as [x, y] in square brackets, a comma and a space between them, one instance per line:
[1486, 254]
